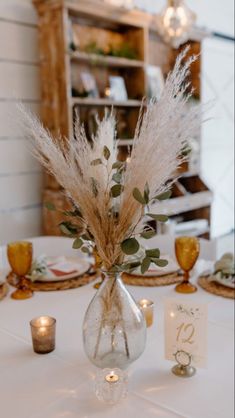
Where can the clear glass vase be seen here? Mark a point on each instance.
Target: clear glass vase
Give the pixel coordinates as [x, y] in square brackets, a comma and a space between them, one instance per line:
[114, 329]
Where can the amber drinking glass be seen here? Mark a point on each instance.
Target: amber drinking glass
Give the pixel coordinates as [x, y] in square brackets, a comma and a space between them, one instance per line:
[20, 256]
[187, 252]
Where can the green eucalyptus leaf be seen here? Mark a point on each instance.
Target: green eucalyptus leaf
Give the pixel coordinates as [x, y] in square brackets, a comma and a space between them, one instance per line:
[146, 193]
[106, 152]
[68, 228]
[164, 195]
[77, 243]
[87, 236]
[130, 246]
[153, 253]
[49, 206]
[138, 196]
[75, 213]
[116, 190]
[97, 161]
[148, 234]
[160, 262]
[85, 250]
[117, 177]
[64, 229]
[125, 267]
[134, 265]
[145, 265]
[130, 266]
[118, 165]
[116, 269]
[159, 218]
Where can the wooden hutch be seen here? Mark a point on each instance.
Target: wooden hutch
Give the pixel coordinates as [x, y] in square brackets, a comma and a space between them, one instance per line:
[95, 38]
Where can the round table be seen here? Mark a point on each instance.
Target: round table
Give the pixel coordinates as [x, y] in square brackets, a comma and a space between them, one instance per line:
[60, 384]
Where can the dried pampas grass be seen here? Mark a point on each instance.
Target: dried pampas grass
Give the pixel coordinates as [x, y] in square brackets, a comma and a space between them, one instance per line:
[85, 171]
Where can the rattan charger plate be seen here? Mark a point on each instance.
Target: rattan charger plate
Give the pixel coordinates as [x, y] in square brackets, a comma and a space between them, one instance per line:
[3, 290]
[164, 280]
[216, 288]
[60, 285]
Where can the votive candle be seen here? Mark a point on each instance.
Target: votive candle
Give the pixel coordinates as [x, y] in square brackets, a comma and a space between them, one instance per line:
[111, 385]
[43, 334]
[146, 307]
[112, 377]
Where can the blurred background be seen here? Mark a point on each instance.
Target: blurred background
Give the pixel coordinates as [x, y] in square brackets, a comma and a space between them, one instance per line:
[21, 179]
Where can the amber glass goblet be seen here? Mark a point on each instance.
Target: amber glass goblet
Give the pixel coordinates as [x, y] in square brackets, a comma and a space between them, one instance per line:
[187, 252]
[20, 256]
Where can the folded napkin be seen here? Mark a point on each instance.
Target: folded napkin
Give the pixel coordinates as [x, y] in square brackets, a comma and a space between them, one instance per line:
[45, 267]
[224, 271]
[62, 268]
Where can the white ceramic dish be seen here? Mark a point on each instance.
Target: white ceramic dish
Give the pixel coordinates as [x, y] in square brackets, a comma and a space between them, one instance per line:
[71, 267]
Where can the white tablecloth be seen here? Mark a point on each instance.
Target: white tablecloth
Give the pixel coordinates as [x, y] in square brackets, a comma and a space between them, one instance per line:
[60, 384]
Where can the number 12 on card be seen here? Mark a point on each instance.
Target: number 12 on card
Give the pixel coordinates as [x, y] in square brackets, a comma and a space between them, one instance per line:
[186, 330]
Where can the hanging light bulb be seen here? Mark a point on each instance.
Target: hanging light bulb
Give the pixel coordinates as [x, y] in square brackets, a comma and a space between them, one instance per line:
[175, 22]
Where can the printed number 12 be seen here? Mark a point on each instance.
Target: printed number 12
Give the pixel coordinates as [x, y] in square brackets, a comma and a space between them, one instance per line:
[186, 329]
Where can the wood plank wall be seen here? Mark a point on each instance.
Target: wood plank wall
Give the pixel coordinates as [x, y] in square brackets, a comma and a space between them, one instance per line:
[20, 174]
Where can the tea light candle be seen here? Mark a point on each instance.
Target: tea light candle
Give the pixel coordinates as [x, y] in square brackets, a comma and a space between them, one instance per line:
[146, 307]
[112, 377]
[43, 334]
[111, 385]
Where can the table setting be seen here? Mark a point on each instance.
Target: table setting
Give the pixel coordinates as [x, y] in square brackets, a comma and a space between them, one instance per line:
[116, 326]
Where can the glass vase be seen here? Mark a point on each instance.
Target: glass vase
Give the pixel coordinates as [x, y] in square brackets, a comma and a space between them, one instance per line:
[114, 329]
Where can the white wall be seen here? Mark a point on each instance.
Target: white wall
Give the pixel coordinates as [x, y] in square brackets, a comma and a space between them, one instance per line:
[217, 163]
[20, 178]
[20, 175]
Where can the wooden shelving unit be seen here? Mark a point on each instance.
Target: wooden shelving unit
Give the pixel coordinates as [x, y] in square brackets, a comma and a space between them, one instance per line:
[104, 102]
[104, 26]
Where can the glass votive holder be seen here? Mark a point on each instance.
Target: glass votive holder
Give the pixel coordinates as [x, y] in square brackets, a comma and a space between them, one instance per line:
[111, 385]
[146, 307]
[43, 334]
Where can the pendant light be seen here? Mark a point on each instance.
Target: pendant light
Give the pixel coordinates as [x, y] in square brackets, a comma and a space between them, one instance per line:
[175, 22]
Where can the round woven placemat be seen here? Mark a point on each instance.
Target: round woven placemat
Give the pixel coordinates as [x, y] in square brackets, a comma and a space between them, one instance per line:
[164, 280]
[51, 286]
[216, 288]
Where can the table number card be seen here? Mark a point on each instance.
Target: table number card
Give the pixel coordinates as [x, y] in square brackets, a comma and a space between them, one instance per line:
[186, 330]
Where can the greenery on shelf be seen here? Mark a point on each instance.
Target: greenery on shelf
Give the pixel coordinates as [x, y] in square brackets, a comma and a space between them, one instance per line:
[123, 51]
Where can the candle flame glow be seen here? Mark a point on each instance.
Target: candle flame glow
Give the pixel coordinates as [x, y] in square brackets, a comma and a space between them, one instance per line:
[111, 377]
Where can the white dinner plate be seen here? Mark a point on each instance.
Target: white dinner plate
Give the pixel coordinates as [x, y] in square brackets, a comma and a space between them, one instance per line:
[172, 267]
[71, 267]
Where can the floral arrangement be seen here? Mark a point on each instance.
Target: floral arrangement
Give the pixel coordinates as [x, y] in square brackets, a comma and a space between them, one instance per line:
[111, 198]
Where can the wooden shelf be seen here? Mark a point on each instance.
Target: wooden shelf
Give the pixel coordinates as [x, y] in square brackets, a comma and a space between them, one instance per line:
[177, 205]
[195, 232]
[124, 142]
[102, 60]
[106, 12]
[89, 101]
